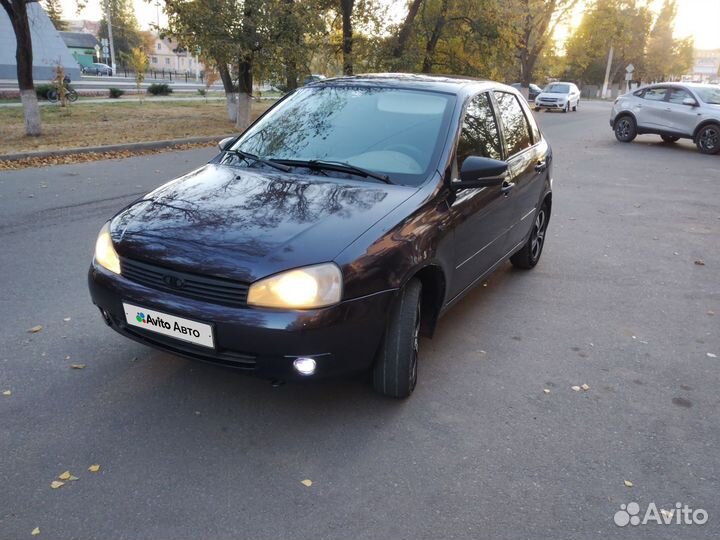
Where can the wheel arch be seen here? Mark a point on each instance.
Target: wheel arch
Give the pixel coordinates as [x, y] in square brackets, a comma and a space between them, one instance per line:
[709, 121]
[434, 285]
[622, 114]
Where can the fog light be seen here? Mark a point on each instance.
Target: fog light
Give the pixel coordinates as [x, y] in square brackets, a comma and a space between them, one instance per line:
[305, 366]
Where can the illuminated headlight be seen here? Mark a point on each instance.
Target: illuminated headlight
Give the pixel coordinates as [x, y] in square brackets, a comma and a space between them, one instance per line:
[105, 254]
[302, 288]
[305, 366]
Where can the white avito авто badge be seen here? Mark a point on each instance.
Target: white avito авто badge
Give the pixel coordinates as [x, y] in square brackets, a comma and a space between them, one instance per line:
[169, 325]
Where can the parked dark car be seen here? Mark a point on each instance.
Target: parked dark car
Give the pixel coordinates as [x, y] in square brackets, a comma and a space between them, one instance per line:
[334, 231]
[98, 69]
[533, 90]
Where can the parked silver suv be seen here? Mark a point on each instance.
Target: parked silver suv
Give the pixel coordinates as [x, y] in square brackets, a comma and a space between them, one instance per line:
[673, 111]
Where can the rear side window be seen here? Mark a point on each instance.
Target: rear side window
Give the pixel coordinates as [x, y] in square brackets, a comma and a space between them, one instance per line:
[515, 124]
[655, 94]
[479, 135]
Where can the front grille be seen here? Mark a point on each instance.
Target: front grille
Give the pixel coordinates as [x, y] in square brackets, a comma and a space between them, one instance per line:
[208, 289]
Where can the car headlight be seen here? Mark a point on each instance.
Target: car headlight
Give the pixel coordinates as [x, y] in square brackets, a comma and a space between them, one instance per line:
[301, 288]
[105, 254]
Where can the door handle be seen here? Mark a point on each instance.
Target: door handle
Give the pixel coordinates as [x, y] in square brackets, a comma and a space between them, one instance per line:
[506, 187]
[540, 166]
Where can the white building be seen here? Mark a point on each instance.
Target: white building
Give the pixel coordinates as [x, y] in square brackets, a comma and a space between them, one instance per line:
[167, 55]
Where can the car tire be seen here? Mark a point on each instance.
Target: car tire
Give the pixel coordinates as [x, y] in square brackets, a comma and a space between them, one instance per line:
[567, 107]
[575, 108]
[395, 369]
[625, 128]
[669, 138]
[707, 139]
[529, 255]
[537, 109]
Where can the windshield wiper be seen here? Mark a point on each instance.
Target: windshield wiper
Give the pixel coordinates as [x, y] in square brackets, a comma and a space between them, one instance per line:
[252, 157]
[339, 166]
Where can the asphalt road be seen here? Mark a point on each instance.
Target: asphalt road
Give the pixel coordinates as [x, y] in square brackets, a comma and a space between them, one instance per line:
[188, 450]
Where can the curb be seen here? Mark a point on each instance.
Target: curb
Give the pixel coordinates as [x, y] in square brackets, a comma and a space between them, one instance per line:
[150, 145]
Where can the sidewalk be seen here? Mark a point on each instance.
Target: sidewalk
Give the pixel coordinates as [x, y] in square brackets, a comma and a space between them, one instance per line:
[129, 99]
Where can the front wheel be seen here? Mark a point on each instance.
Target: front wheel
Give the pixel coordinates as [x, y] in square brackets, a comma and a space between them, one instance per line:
[575, 108]
[72, 96]
[529, 254]
[625, 129]
[395, 370]
[708, 139]
[537, 109]
[567, 107]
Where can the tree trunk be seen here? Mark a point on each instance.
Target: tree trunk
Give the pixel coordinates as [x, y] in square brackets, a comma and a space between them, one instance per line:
[434, 37]
[406, 29]
[291, 75]
[17, 13]
[230, 97]
[346, 6]
[295, 29]
[244, 99]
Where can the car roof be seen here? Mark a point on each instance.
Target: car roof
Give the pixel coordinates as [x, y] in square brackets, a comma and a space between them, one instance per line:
[440, 83]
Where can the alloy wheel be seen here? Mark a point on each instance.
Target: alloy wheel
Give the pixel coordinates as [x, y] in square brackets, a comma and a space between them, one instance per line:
[416, 349]
[709, 139]
[538, 235]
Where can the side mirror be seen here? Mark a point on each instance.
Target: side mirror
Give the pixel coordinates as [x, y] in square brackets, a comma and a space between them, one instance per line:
[479, 172]
[689, 101]
[225, 143]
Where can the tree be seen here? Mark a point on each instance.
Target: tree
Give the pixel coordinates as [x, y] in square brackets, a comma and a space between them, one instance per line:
[667, 58]
[54, 11]
[17, 13]
[536, 21]
[138, 62]
[404, 32]
[126, 30]
[622, 24]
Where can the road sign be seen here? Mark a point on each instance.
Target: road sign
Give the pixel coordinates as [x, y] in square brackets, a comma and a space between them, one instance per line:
[628, 76]
[630, 68]
[104, 42]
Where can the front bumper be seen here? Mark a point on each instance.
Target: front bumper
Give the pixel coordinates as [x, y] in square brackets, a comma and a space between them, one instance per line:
[549, 105]
[341, 339]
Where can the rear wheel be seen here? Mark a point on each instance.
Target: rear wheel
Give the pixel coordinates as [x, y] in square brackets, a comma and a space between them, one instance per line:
[708, 139]
[395, 370]
[537, 109]
[72, 96]
[669, 138]
[625, 129]
[529, 254]
[52, 96]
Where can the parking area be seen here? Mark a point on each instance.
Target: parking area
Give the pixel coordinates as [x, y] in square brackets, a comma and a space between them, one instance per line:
[495, 442]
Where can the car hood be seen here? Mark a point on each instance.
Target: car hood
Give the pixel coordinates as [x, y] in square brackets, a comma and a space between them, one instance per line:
[246, 224]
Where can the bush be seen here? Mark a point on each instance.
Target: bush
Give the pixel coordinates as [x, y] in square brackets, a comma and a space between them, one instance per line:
[159, 89]
[116, 93]
[202, 92]
[42, 90]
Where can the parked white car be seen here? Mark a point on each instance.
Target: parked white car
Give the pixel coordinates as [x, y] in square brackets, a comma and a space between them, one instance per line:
[559, 96]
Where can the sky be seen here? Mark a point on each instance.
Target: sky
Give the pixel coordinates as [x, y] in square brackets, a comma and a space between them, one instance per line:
[697, 18]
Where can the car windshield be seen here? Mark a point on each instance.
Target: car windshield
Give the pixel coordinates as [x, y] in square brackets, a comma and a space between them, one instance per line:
[557, 89]
[394, 132]
[709, 95]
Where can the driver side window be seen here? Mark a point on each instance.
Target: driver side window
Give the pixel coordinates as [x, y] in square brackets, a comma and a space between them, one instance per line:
[479, 135]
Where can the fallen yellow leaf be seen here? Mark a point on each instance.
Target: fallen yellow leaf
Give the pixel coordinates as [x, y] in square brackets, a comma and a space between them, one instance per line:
[55, 484]
[35, 329]
[77, 366]
[7, 392]
[576, 388]
[306, 483]
[66, 319]
[585, 387]
[546, 390]
[35, 531]
[65, 476]
[94, 468]
[628, 483]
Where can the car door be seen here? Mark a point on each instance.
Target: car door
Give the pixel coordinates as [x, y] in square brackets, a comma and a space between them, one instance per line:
[682, 118]
[477, 213]
[525, 156]
[650, 110]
